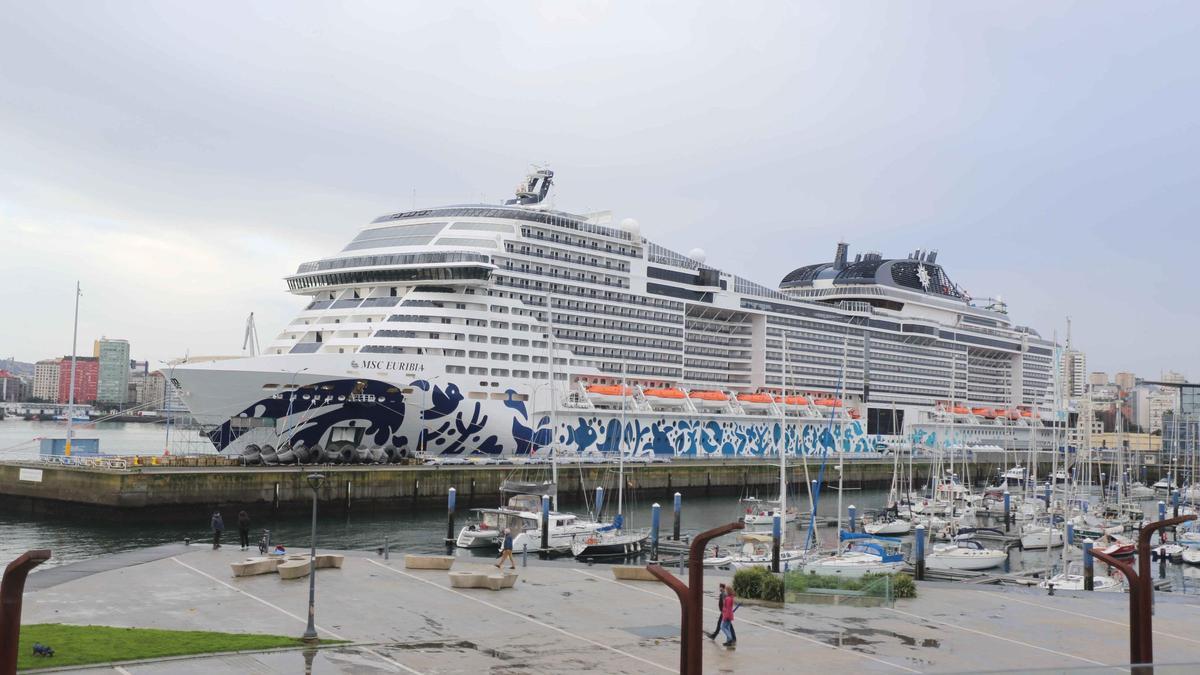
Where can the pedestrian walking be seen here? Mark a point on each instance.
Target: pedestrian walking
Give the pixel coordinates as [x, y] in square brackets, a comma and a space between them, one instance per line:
[506, 550]
[727, 618]
[720, 609]
[244, 529]
[218, 526]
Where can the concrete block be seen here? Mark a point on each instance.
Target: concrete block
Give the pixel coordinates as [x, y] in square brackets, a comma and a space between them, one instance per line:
[254, 566]
[468, 579]
[632, 573]
[428, 562]
[330, 560]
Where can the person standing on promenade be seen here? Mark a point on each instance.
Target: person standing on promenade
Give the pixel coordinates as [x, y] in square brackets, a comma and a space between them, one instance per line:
[506, 550]
[720, 611]
[244, 529]
[727, 618]
[218, 525]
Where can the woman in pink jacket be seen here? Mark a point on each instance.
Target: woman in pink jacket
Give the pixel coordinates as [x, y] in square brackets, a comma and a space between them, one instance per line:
[727, 610]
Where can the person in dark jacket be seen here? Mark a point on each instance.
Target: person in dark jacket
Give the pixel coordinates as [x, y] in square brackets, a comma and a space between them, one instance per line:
[218, 525]
[720, 608]
[506, 550]
[244, 529]
[727, 610]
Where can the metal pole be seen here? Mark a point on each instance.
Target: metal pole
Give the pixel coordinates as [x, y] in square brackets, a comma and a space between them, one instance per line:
[1007, 510]
[678, 513]
[655, 514]
[451, 497]
[71, 395]
[310, 633]
[776, 534]
[12, 591]
[545, 523]
[919, 538]
[1089, 567]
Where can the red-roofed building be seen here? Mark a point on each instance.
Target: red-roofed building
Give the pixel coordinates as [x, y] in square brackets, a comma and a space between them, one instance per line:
[87, 376]
[12, 388]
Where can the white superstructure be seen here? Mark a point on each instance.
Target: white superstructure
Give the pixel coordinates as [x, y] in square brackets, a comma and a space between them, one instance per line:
[495, 329]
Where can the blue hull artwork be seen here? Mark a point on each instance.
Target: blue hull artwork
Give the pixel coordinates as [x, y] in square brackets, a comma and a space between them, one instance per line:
[442, 421]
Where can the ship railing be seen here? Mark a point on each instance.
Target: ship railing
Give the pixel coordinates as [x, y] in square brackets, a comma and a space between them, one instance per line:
[86, 461]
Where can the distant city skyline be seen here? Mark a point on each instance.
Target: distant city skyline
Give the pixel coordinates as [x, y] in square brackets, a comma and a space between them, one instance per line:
[1047, 151]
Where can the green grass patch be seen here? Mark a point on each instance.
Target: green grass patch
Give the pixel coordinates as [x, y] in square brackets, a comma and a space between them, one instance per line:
[79, 645]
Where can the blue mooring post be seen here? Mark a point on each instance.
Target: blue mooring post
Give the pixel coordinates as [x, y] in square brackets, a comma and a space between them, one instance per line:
[655, 514]
[1162, 510]
[678, 513]
[1070, 534]
[1175, 503]
[1046, 491]
[919, 541]
[451, 497]
[853, 518]
[1089, 567]
[776, 535]
[525, 554]
[545, 523]
[1007, 510]
[599, 503]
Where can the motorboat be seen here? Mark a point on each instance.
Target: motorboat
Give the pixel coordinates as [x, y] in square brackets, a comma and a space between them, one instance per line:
[1034, 535]
[865, 554]
[1191, 556]
[892, 526]
[760, 512]
[1073, 580]
[1116, 546]
[963, 554]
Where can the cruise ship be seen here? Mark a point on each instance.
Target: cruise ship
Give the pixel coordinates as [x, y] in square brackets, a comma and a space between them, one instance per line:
[518, 329]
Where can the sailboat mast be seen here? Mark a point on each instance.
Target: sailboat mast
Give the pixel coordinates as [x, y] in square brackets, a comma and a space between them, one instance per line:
[621, 449]
[71, 396]
[553, 400]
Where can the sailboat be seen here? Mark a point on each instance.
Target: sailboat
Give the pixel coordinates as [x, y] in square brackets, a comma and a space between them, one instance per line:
[963, 554]
[612, 539]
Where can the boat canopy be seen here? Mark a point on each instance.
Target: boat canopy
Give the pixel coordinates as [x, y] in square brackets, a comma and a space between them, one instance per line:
[848, 536]
[879, 551]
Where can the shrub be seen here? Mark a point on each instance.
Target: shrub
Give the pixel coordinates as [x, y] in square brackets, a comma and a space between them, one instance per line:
[772, 588]
[748, 583]
[903, 586]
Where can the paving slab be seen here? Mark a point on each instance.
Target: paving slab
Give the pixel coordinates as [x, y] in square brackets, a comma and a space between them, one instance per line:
[565, 617]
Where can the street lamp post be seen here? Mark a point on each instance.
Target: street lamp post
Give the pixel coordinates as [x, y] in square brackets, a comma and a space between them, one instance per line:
[310, 633]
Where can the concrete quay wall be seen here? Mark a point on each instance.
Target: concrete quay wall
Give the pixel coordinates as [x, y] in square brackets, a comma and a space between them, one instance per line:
[165, 492]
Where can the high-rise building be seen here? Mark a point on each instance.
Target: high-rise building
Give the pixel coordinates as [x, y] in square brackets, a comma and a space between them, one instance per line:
[1172, 376]
[1097, 379]
[1125, 381]
[87, 375]
[1072, 372]
[45, 380]
[113, 388]
[1148, 403]
[12, 387]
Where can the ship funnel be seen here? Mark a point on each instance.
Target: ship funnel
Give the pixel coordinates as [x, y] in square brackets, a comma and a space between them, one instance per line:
[839, 260]
[932, 257]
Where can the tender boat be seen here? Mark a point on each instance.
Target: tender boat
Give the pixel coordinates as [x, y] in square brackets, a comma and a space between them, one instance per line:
[1035, 536]
[1072, 580]
[866, 554]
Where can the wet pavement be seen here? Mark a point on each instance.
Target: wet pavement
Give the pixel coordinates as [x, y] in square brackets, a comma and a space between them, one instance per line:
[564, 617]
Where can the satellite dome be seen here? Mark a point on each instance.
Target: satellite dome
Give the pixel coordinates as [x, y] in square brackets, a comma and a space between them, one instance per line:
[698, 255]
[631, 226]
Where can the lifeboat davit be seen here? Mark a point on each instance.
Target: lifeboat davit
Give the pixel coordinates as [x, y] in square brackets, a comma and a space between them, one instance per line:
[664, 397]
[608, 392]
[755, 400]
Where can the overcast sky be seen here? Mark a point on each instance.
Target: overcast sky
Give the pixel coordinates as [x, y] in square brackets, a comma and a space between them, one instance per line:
[181, 158]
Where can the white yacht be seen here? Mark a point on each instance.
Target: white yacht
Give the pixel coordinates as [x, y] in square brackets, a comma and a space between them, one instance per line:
[492, 329]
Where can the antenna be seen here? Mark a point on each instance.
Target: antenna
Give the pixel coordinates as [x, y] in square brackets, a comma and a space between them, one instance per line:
[250, 340]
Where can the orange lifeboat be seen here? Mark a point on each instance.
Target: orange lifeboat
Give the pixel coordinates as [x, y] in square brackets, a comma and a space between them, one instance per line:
[983, 412]
[960, 410]
[676, 394]
[756, 399]
[1011, 414]
[1027, 413]
[609, 390]
[829, 402]
[796, 400]
[709, 396]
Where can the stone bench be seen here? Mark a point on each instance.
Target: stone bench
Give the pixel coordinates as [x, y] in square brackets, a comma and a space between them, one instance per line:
[293, 569]
[428, 562]
[494, 582]
[632, 573]
[254, 566]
